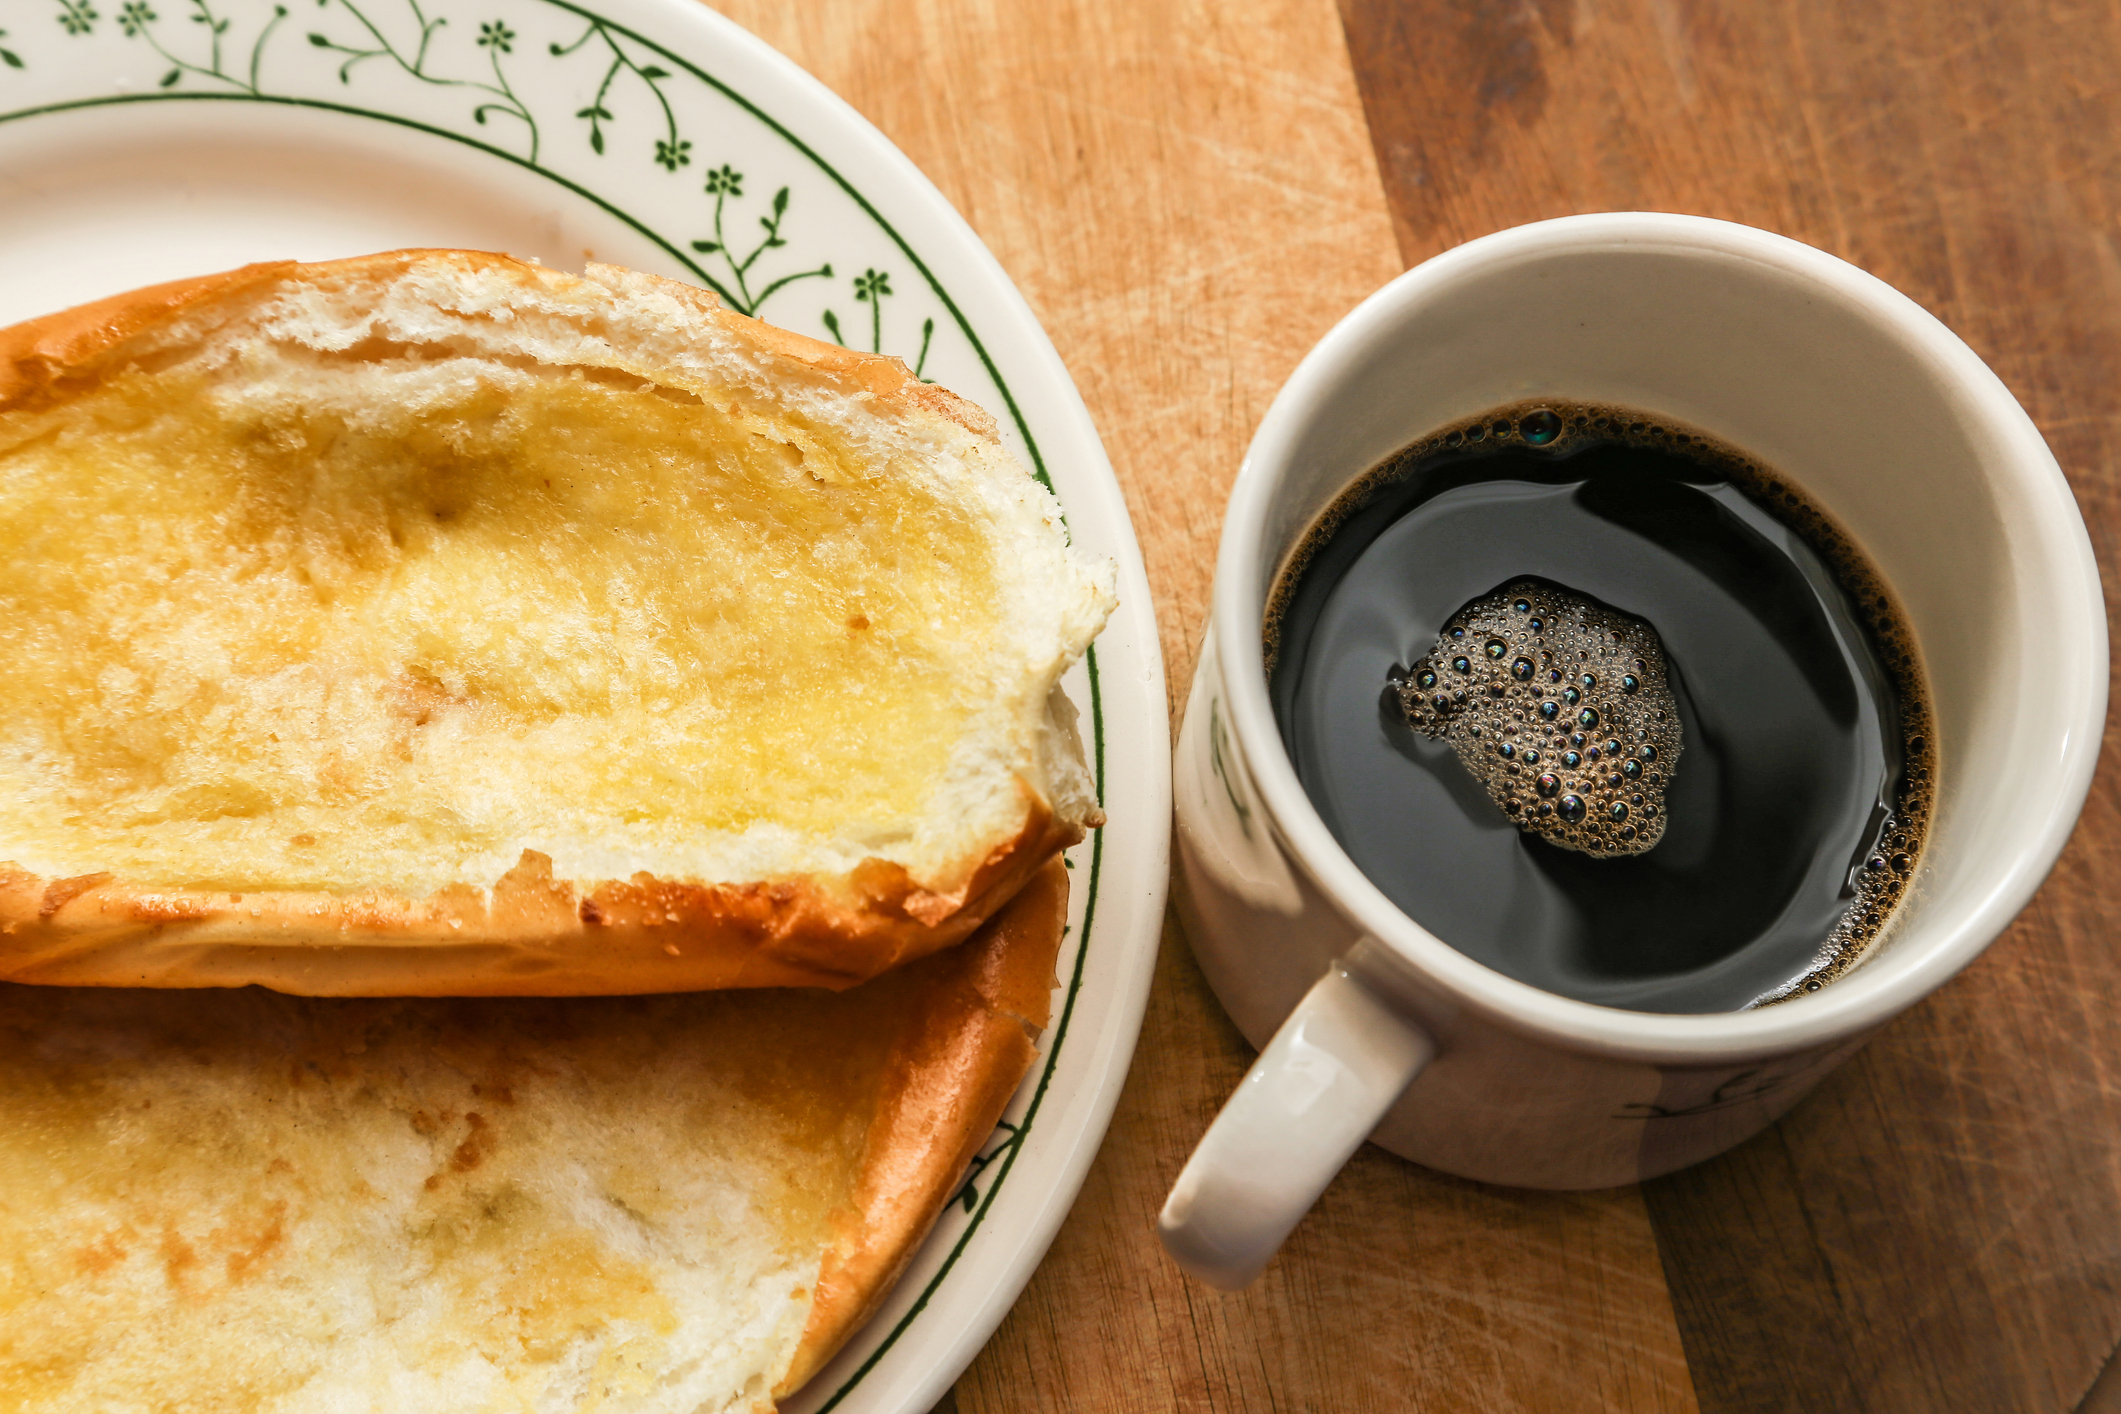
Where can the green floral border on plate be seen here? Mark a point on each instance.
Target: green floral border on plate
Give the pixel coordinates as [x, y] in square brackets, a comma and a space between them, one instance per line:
[217, 64]
[212, 63]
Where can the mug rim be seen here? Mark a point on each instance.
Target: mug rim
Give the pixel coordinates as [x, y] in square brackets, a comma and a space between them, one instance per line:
[1864, 999]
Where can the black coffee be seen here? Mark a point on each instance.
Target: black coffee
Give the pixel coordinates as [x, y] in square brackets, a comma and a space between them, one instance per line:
[1607, 706]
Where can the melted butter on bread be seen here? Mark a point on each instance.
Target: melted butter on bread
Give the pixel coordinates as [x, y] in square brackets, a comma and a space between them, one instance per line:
[350, 624]
[230, 1201]
[233, 1201]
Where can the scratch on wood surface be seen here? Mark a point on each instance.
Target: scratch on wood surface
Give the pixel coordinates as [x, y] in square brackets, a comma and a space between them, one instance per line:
[1671, 33]
[1235, 160]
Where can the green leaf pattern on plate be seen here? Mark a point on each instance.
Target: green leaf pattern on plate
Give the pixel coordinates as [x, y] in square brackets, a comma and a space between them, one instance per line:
[230, 51]
[77, 17]
[723, 183]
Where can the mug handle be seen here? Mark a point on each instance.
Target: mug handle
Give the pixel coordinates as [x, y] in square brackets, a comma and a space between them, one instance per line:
[1336, 1065]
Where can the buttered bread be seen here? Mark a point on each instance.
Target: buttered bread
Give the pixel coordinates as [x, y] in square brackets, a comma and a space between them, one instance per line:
[249, 1203]
[438, 624]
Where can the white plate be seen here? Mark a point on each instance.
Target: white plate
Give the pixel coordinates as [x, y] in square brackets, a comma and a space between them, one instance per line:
[152, 139]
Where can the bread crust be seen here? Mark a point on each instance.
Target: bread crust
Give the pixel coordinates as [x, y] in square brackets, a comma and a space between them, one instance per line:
[45, 359]
[530, 934]
[950, 1080]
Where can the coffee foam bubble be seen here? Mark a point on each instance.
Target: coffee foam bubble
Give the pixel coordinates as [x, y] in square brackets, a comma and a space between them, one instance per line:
[1561, 707]
[1884, 873]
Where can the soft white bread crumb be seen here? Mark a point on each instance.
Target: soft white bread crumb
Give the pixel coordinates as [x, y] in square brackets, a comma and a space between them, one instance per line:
[437, 599]
[245, 1203]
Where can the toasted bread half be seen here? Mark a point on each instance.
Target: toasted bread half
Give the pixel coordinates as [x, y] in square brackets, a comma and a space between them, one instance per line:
[437, 624]
[240, 1200]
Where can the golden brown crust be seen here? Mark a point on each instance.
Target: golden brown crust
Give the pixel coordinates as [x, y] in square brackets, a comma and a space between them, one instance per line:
[530, 935]
[43, 359]
[948, 1082]
[533, 935]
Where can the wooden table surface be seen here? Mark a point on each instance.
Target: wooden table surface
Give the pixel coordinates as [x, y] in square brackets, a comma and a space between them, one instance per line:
[1189, 194]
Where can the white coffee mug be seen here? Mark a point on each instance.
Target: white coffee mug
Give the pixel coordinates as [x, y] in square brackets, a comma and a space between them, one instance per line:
[1372, 1027]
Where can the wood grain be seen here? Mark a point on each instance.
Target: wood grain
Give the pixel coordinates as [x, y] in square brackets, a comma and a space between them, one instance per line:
[1186, 195]
[1940, 1226]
